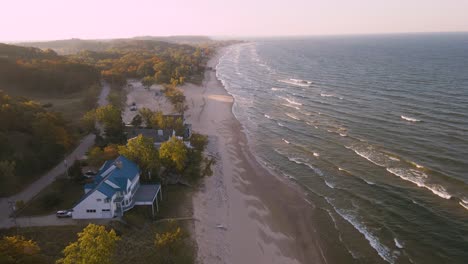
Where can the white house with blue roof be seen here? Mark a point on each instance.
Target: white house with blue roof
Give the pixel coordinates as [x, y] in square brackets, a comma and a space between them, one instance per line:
[115, 190]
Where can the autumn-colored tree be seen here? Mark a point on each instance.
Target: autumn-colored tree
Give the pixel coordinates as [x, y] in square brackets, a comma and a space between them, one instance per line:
[173, 154]
[97, 156]
[146, 115]
[19, 250]
[158, 120]
[170, 245]
[95, 245]
[142, 151]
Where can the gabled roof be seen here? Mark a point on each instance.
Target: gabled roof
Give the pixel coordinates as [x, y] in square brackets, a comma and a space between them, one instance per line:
[118, 172]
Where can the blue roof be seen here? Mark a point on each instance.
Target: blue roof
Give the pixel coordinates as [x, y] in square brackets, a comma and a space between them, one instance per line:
[118, 175]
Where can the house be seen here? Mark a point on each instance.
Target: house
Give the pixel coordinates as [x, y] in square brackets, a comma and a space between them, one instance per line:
[115, 190]
[160, 136]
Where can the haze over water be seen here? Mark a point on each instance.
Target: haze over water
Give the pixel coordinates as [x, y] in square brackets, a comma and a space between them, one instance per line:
[374, 128]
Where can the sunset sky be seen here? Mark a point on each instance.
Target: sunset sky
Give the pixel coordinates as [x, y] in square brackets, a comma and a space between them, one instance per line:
[59, 19]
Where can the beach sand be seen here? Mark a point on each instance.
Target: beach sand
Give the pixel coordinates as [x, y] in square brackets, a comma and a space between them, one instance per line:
[152, 98]
[244, 213]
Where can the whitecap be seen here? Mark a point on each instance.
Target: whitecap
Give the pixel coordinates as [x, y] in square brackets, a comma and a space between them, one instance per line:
[383, 251]
[417, 165]
[316, 154]
[410, 119]
[276, 89]
[398, 244]
[303, 162]
[326, 95]
[465, 205]
[419, 178]
[330, 185]
[292, 102]
[368, 156]
[280, 124]
[302, 83]
[292, 106]
[369, 182]
[267, 116]
[285, 141]
[293, 116]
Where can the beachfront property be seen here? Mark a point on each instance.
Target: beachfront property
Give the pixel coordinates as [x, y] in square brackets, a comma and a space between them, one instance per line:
[115, 190]
[160, 136]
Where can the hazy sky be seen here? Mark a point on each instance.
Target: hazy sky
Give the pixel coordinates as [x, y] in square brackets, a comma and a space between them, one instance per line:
[62, 19]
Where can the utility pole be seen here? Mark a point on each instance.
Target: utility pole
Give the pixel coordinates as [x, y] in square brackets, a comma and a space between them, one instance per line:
[13, 211]
[66, 167]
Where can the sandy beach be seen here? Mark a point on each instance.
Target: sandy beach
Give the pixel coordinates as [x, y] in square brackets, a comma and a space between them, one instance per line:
[245, 214]
[152, 98]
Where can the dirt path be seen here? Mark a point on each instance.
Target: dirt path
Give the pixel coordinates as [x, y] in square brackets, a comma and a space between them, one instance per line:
[34, 188]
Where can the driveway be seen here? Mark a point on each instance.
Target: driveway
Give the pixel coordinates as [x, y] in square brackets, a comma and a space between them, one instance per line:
[34, 188]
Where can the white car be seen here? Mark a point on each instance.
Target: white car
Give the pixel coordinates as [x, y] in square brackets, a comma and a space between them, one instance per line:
[64, 214]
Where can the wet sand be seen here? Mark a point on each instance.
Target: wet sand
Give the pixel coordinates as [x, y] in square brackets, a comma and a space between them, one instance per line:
[245, 213]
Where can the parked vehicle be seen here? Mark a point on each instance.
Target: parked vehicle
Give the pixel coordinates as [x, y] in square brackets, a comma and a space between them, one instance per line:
[64, 214]
[89, 174]
[133, 108]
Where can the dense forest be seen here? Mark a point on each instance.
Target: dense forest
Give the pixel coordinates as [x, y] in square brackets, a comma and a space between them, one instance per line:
[159, 62]
[43, 71]
[32, 139]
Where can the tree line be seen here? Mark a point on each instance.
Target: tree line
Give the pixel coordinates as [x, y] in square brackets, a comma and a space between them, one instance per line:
[32, 139]
[38, 71]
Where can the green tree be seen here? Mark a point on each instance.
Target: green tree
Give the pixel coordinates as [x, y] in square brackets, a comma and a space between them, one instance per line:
[19, 250]
[179, 127]
[88, 121]
[142, 151]
[146, 115]
[173, 154]
[111, 117]
[198, 141]
[95, 245]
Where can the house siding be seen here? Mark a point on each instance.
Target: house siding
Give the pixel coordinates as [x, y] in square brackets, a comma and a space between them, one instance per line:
[91, 203]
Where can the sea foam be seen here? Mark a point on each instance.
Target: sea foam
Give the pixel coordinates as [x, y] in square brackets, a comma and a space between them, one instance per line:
[410, 119]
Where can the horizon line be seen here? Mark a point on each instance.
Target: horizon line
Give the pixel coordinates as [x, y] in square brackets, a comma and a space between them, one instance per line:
[240, 37]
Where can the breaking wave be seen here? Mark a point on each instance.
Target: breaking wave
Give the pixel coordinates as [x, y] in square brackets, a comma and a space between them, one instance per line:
[419, 178]
[297, 82]
[293, 116]
[410, 119]
[383, 251]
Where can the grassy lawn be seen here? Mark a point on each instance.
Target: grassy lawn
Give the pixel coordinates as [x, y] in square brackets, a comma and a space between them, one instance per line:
[137, 232]
[61, 194]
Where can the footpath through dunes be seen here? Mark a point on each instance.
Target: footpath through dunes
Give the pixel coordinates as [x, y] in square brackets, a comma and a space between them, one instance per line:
[247, 215]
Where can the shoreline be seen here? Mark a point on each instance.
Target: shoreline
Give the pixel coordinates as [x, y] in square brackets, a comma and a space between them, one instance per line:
[244, 210]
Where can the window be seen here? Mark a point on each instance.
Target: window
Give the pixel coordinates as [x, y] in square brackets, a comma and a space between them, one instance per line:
[106, 210]
[98, 200]
[91, 210]
[107, 200]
